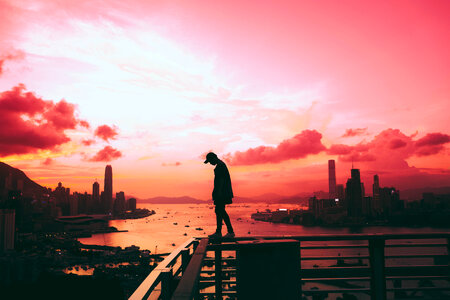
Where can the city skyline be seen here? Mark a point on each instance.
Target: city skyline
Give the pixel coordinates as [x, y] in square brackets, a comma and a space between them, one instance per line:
[276, 92]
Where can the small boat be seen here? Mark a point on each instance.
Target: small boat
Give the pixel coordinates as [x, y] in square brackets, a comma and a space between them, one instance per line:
[198, 228]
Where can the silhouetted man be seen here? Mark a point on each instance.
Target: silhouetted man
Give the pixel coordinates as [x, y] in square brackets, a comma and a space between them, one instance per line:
[222, 194]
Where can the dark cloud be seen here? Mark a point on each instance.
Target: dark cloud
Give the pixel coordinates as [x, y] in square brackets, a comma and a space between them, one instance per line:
[303, 144]
[433, 139]
[106, 154]
[397, 143]
[106, 132]
[29, 124]
[354, 132]
[390, 148]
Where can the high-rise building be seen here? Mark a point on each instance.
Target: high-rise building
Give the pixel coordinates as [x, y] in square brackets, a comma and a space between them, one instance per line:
[340, 194]
[96, 197]
[331, 179]
[353, 195]
[7, 229]
[119, 203]
[376, 195]
[131, 204]
[108, 188]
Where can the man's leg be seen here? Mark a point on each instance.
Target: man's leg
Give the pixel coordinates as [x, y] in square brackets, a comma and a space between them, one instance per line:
[219, 210]
[226, 218]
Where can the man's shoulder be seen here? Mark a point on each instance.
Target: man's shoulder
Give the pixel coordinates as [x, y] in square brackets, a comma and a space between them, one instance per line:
[221, 166]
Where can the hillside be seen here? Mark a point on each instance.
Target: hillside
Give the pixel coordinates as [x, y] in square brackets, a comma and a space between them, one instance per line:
[29, 186]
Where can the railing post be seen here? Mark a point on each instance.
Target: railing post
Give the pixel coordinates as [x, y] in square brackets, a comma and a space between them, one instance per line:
[166, 283]
[378, 277]
[218, 272]
[184, 259]
[194, 245]
[448, 254]
[300, 289]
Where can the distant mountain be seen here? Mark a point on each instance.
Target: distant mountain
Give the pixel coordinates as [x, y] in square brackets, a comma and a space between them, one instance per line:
[416, 194]
[172, 200]
[29, 186]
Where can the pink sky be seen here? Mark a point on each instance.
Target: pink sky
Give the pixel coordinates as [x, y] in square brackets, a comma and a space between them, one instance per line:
[276, 89]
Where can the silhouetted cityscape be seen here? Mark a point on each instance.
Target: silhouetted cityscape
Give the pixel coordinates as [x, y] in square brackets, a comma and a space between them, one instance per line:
[349, 206]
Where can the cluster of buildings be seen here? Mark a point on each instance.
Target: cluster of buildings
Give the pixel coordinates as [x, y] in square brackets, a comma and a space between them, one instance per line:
[350, 201]
[23, 209]
[96, 203]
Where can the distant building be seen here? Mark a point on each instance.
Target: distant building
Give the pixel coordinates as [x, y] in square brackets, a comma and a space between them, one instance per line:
[96, 197]
[376, 203]
[331, 179]
[7, 229]
[131, 204]
[73, 204]
[389, 197]
[340, 192]
[353, 195]
[108, 188]
[119, 203]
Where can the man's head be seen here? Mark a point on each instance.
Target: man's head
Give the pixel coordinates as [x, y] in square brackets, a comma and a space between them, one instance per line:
[211, 158]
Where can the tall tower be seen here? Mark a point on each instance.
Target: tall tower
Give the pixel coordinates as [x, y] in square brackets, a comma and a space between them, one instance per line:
[376, 194]
[353, 195]
[108, 188]
[96, 196]
[331, 179]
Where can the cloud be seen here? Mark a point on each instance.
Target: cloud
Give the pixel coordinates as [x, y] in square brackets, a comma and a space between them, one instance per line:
[10, 56]
[432, 143]
[106, 132]
[106, 154]
[175, 164]
[48, 161]
[355, 132]
[303, 144]
[87, 142]
[433, 139]
[29, 124]
[397, 143]
[390, 149]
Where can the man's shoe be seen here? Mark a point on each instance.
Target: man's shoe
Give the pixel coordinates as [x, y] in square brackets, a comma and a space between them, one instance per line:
[229, 235]
[215, 235]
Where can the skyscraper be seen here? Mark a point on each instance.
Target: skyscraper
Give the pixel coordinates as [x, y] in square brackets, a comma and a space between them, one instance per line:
[108, 188]
[376, 195]
[353, 195]
[331, 179]
[7, 229]
[96, 197]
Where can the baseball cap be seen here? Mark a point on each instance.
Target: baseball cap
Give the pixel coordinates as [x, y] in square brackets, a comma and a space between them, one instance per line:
[209, 156]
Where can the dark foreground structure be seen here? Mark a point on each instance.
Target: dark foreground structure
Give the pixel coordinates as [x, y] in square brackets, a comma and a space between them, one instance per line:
[355, 266]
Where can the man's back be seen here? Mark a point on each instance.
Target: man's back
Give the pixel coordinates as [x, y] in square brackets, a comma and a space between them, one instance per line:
[222, 183]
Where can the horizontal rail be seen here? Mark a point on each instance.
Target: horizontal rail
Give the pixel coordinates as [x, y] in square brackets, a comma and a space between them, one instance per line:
[343, 237]
[189, 282]
[374, 243]
[332, 257]
[153, 279]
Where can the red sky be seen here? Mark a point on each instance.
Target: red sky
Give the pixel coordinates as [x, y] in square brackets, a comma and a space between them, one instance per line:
[276, 89]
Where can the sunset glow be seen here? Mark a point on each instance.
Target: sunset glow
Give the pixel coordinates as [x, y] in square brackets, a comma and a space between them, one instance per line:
[276, 89]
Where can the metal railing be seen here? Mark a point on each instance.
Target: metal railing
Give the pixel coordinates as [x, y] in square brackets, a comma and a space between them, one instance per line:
[377, 266]
[159, 284]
